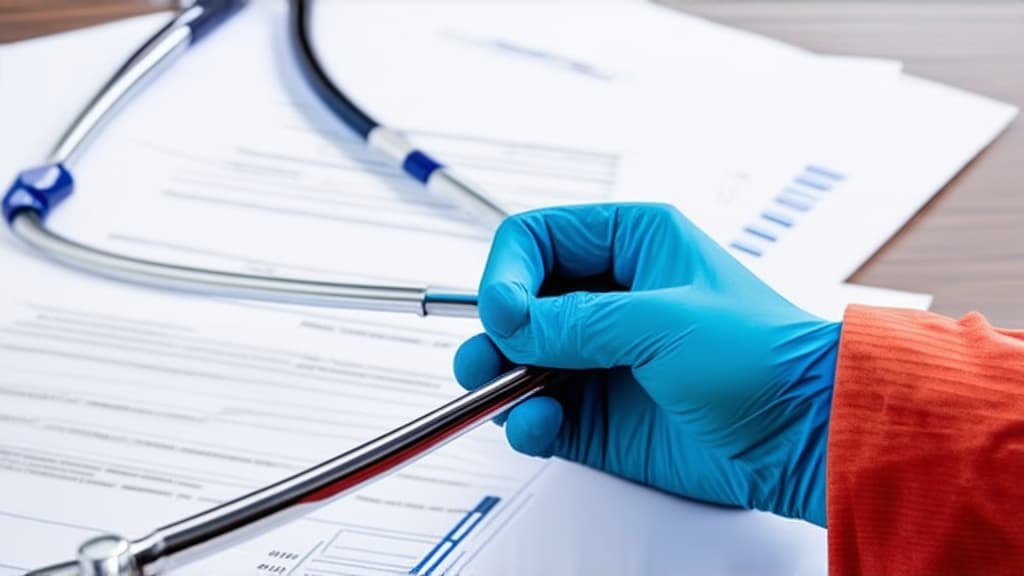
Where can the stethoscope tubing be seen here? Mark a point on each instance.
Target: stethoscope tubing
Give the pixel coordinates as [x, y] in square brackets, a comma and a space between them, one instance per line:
[29, 201]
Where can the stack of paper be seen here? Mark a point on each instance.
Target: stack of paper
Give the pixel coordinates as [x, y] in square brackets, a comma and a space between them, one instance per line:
[802, 164]
[126, 408]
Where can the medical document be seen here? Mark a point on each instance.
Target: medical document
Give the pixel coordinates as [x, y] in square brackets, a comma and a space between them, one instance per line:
[280, 187]
[127, 408]
[658, 121]
[302, 196]
[799, 164]
[124, 409]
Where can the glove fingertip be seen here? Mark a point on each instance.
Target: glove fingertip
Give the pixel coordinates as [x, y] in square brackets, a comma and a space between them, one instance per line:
[504, 308]
[533, 426]
[476, 362]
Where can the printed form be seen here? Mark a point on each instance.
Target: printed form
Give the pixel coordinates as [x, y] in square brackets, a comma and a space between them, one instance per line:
[124, 409]
[301, 195]
[801, 165]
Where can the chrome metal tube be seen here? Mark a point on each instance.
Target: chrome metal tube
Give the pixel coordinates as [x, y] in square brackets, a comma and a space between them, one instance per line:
[449, 303]
[467, 197]
[387, 298]
[173, 39]
[193, 538]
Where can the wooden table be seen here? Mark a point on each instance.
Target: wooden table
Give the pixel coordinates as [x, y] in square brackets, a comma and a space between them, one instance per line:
[966, 246]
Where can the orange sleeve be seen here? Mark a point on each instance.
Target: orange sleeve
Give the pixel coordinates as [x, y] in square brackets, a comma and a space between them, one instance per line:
[925, 466]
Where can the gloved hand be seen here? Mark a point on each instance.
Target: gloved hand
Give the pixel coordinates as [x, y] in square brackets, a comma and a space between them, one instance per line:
[694, 376]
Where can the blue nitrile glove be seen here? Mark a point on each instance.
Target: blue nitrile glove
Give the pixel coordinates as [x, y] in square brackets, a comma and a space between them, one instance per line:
[695, 377]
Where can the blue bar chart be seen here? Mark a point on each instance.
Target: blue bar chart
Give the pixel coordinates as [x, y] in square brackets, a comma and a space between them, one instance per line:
[440, 552]
[356, 549]
[794, 202]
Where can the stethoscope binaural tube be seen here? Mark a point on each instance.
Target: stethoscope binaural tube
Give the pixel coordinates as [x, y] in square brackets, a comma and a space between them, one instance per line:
[35, 192]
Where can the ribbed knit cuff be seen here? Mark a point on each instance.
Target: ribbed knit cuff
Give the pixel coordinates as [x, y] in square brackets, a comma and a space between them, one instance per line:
[926, 446]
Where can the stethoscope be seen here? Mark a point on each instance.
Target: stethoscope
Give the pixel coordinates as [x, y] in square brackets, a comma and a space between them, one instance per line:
[39, 190]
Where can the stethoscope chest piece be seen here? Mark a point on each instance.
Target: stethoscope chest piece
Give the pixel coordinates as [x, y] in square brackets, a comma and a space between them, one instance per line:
[107, 555]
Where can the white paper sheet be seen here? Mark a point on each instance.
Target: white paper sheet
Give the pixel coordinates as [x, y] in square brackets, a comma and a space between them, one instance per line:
[819, 205]
[585, 522]
[801, 165]
[333, 208]
[53, 77]
[280, 173]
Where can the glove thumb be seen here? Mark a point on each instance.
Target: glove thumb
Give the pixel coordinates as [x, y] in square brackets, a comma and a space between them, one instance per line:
[576, 331]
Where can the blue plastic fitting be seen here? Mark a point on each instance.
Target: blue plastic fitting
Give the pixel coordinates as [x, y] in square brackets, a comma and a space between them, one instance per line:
[420, 166]
[216, 13]
[38, 189]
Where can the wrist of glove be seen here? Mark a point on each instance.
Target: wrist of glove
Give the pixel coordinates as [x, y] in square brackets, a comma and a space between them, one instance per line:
[691, 375]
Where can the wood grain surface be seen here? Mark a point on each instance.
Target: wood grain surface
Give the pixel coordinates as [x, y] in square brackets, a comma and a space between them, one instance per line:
[22, 19]
[966, 246]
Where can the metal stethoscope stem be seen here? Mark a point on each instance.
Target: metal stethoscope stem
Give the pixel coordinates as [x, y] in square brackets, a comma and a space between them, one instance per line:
[194, 537]
[38, 191]
[419, 300]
